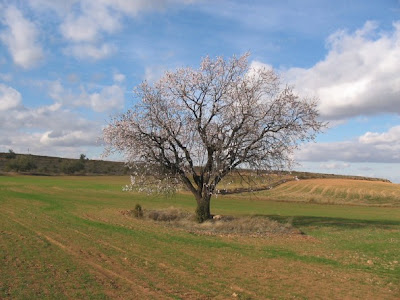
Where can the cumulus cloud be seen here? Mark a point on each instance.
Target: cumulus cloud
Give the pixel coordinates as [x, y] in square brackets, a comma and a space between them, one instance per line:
[153, 73]
[385, 138]
[68, 138]
[46, 116]
[334, 166]
[84, 27]
[84, 23]
[108, 98]
[359, 75]
[60, 7]
[9, 98]
[90, 51]
[45, 129]
[93, 18]
[118, 77]
[21, 38]
[371, 147]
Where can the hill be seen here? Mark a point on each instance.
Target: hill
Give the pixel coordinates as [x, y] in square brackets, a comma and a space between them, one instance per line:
[68, 237]
[332, 191]
[237, 182]
[48, 165]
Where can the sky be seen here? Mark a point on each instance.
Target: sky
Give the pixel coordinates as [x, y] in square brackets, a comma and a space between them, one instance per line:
[67, 67]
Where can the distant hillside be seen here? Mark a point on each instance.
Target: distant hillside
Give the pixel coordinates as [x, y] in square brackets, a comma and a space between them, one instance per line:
[307, 175]
[48, 165]
[333, 191]
[242, 181]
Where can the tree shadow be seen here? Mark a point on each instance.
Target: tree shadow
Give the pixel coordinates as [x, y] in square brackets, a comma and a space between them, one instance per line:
[342, 223]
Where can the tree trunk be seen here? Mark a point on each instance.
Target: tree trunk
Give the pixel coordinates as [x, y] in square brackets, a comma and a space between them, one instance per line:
[203, 208]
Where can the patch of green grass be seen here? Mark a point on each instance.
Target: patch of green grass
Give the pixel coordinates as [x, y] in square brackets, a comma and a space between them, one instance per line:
[65, 237]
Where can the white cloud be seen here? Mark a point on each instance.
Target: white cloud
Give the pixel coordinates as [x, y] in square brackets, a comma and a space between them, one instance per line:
[69, 144]
[377, 170]
[390, 137]
[9, 98]
[92, 13]
[370, 147]
[153, 73]
[118, 77]
[85, 23]
[6, 76]
[365, 169]
[21, 38]
[108, 98]
[272, 15]
[46, 116]
[60, 7]
[93, 18]
[90, 51]
[334, 165]
[359, 75]
[67, 138]
[46, 130]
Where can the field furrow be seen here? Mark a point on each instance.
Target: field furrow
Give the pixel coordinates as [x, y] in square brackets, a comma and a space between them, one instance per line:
[68, 238]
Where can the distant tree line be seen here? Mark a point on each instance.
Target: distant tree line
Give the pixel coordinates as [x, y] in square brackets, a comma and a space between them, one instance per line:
[20, 164]
[46, 165]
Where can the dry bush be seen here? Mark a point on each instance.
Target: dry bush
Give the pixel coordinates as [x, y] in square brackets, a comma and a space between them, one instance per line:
[224, 225]
[169, 214]
[138, 211]
[250, 225]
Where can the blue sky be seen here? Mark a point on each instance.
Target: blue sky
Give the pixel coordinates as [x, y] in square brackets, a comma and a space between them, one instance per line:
[66, 67]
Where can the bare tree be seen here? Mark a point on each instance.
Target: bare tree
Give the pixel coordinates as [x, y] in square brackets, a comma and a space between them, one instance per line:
[196, 126]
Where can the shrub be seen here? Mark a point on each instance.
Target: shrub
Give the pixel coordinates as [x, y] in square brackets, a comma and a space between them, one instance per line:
[21, 164]
[246, 225]
[137, 211]
[169, 214]
[256, 226]
[71, 167]
[11, 154]
[249, 225]
[83, 158]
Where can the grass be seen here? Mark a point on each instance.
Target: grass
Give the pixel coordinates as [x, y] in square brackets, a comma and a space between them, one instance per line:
[67, 238]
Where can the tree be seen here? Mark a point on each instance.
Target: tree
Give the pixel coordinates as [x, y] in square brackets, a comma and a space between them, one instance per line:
[196, 126]
[11, 154]
[71, 167]
[83, 158]
[21, 164]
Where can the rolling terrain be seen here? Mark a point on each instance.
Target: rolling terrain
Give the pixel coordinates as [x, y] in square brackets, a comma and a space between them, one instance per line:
[65, 237]
[334, 191]
[49, 165]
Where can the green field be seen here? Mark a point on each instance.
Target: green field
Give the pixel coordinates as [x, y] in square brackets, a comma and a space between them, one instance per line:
[67, 238]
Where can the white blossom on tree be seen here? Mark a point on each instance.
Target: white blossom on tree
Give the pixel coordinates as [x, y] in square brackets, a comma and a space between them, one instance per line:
[195, 126]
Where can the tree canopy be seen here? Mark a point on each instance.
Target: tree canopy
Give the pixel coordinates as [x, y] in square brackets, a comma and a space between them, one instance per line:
[194, 126]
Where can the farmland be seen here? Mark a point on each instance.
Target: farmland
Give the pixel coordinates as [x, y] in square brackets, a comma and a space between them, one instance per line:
[335, 191]
[66, 237]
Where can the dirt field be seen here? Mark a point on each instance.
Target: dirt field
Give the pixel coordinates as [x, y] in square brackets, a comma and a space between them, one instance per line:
[66, 238]
[336, 191]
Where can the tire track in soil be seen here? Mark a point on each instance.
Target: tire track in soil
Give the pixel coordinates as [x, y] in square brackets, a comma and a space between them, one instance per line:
[97, 267]
[85, 256]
